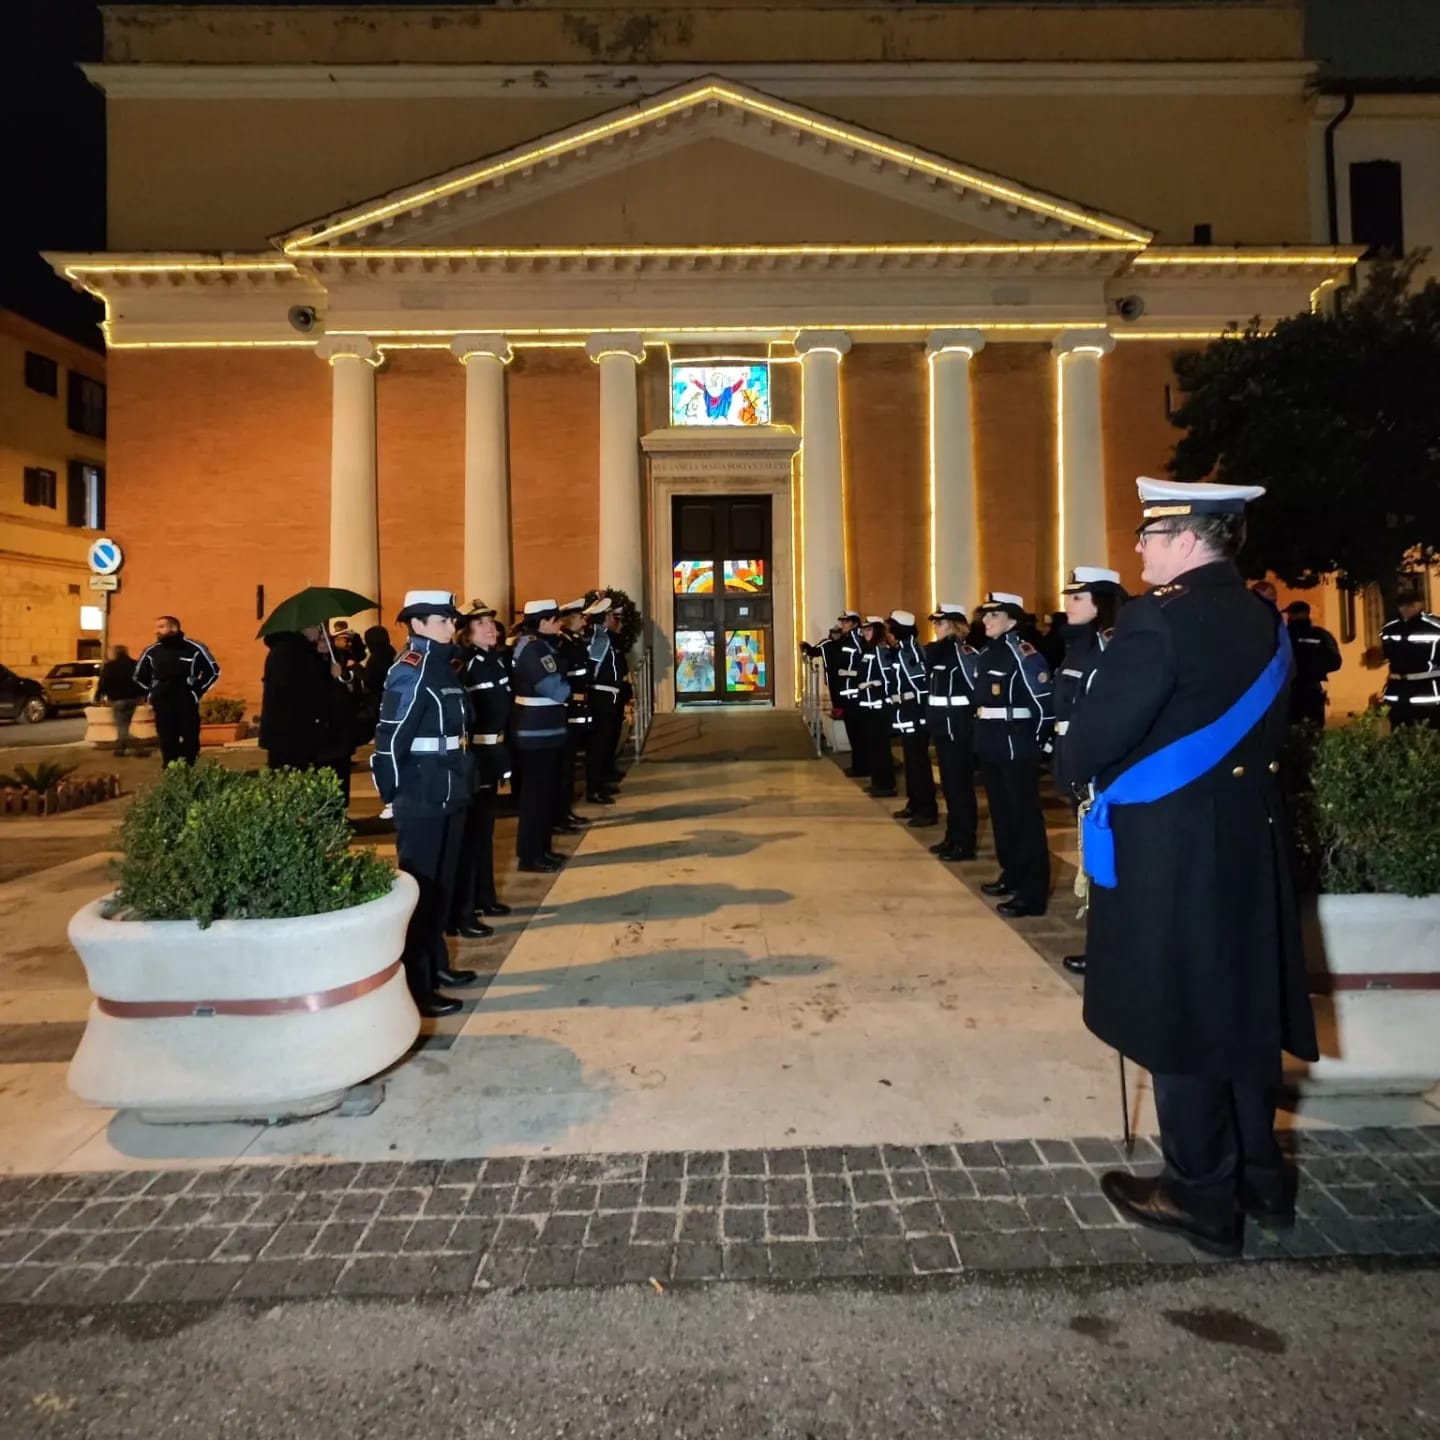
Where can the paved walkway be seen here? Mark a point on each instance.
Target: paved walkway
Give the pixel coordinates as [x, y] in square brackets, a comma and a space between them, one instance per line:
[750, 1029]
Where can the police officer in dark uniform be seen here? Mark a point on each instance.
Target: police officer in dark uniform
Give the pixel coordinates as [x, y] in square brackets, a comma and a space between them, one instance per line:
[909, 718]
[175, 673]
[1092, 603]
[849, 649]
[877, 683]
[1411, 643]
[486, 681]
[951, 713]
[421, 767]
[607, 676]
[1317, 656]
[572, 653]
[1012, 686]
[540, 730]
[1196, 966]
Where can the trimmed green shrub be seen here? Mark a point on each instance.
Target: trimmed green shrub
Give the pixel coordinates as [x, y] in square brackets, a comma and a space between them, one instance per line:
[1368, 807]
[209, 844]
[221, 710]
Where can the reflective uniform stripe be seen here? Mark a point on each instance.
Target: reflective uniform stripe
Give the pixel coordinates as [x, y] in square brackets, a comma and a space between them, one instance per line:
[537, 700]
[1061, 726]
[953, 700]
[486, 739]
[608, 689]
[433, 744]
[1003, 712]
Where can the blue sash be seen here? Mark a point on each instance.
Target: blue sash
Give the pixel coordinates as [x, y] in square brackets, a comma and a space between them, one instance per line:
[1178, 764]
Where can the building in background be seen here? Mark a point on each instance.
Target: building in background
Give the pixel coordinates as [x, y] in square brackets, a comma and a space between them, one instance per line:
[52, 495]
[756, 311]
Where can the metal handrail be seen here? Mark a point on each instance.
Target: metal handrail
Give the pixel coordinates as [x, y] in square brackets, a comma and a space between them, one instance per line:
[812, 703]
[644, 703]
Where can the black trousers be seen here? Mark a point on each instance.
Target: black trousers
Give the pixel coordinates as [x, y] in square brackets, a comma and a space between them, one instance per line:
[428, 847]
[177, 724]
[1307, 703]
[539, 772]
[1013, 789]
[855, 733]
[919, 777]
[957, 784]
[877, 748]
[1218, 1136]
[565, 777]
[600, 743]
[475, 869]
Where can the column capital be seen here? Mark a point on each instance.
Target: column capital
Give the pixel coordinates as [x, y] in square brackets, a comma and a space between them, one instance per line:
[347, 347]
[625, 342]
[495, 347]
[1083, 342]
[954, 342]
[812, 342]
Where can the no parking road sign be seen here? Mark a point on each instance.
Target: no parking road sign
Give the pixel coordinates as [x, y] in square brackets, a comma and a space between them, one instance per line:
[106, 557]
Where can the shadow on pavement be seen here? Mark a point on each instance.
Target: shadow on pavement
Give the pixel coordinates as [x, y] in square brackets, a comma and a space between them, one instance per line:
[654, 902]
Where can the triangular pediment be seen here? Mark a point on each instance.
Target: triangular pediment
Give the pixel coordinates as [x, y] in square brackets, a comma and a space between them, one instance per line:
[710, 162]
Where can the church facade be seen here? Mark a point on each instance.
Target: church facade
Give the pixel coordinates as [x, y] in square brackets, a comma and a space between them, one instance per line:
[754, 311]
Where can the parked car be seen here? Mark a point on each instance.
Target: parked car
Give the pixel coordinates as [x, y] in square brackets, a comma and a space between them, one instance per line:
[69, 687]
[21, 698]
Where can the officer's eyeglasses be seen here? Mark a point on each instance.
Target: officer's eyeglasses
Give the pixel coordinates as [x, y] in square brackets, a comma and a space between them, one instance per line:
[1146, 535]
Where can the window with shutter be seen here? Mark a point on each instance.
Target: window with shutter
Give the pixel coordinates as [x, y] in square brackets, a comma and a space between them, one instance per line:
[86, 406]
[40, 487]
[75, 494]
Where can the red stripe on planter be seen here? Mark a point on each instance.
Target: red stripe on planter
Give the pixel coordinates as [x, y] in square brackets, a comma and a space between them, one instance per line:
[207, 1009]
[1375, 980]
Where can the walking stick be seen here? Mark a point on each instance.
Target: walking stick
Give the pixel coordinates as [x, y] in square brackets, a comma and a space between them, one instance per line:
[1125, 1105]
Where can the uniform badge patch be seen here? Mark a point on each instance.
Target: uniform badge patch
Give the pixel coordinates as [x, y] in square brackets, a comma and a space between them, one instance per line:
[1043, 677]
[995, 689]
[412, 657]
[548, 661]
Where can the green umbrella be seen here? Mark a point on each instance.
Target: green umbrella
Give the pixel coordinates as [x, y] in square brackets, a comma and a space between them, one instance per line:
[316, 605]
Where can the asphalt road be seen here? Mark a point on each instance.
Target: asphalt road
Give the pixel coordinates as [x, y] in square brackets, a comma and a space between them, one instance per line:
[64, 730]
[1232, 1351]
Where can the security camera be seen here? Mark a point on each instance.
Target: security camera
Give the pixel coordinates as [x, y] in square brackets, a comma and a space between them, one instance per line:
[1130, 307]
[303, 318]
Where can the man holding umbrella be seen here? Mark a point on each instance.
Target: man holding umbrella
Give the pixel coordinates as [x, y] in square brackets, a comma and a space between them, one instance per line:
[421, 767]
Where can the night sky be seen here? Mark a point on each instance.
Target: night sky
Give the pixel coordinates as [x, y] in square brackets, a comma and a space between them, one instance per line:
[54, 125]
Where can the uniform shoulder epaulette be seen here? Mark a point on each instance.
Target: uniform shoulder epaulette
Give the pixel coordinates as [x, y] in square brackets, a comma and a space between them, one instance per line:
[1165, 593]
[412, 657]
[1026, 648]
[1108, 635]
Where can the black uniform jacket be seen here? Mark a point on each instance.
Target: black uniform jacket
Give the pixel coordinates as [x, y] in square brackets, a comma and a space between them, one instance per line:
[486, 680]
[1084, 645]
[421, 763]
[951, 702]
[1196, 965]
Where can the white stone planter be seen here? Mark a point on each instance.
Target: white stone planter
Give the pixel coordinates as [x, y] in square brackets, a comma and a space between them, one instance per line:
[333, 1010]
[1381, 1037]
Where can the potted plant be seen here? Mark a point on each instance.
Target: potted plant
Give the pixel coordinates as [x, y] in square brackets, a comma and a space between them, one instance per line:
[222, 720]
[1369, 825]
[247, 965]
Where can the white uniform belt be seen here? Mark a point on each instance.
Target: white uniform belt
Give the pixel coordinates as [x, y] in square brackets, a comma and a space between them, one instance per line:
[486, 739]
[434, 744]
[1414, 699]
[608, 689]
[1419, 675]
[847, 674]
[536, 700]
[1061, 726]
[1002, 712]
[484, 685]
[955, 700]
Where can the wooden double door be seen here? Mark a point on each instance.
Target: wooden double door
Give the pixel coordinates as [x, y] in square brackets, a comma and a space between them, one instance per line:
[721, 581]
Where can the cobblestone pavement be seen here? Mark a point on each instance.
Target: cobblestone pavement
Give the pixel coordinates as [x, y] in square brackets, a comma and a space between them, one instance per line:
[302, 1231]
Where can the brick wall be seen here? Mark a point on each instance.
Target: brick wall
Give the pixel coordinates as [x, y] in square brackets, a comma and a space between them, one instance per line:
[1139, 440]
[884, 415]
[554, 407]
[1013, 408]
[219, 481]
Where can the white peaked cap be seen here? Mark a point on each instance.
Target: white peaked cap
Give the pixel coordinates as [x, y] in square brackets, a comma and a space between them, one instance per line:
[874, 619]
[947, 611]
[1001, 597]
[1085, 575]
[440, 599]
[1193, 497]
[849, 615]
[572, 607]
[902, 617]
[599, 607]
[541, 607]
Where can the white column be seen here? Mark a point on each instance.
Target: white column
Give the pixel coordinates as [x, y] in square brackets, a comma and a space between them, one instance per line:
[621, 555]
[1080, 449]
[354, 504]
[954, 521]
[822, 496]
[486, 568]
